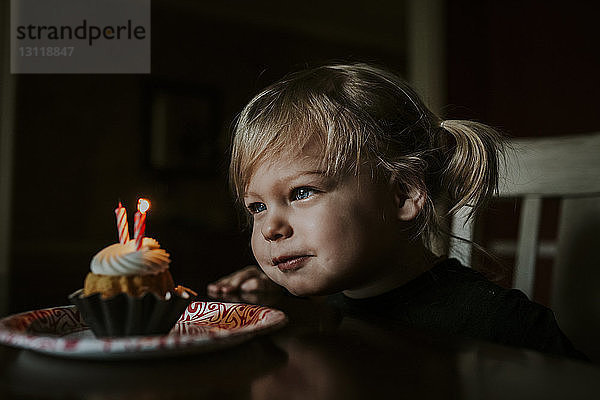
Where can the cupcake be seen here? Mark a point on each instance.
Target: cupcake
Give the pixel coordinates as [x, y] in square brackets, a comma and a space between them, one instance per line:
[131, 292]
[119, 268]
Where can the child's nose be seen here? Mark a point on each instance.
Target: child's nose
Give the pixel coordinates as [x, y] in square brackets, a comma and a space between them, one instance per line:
[276, 227]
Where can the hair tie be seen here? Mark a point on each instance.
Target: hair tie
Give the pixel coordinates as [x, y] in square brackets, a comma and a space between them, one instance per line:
[442, 124]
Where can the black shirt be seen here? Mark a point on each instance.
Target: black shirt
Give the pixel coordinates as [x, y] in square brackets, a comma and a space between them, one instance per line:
[453, 299]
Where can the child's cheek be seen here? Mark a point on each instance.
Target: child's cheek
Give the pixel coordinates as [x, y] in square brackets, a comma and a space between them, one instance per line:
[258, 247]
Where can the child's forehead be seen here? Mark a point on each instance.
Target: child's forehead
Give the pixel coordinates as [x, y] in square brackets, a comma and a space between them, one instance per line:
[290, 156]
[284, 164]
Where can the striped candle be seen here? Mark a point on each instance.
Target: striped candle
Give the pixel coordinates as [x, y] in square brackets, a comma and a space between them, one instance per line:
[122, 225]
[140, 222]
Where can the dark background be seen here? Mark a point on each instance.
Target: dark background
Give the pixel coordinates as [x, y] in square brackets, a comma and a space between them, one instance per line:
[84, 142]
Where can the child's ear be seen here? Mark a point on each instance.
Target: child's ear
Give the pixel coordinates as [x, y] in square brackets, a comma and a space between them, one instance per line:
[408, 205]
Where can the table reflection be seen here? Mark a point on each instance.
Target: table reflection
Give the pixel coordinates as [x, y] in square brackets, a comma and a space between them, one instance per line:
[227, 373]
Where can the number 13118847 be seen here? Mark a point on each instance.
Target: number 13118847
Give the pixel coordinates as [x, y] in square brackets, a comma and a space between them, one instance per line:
[26, 51]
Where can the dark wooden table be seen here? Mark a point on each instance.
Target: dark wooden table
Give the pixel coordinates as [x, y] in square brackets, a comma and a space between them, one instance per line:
[319, 355]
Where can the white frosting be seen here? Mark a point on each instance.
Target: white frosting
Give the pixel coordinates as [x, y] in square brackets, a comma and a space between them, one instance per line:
[123, 259]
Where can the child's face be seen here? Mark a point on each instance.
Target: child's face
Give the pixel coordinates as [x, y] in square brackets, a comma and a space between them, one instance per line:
[315, 235]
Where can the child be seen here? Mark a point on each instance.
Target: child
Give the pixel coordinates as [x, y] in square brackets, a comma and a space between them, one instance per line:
[342, 169]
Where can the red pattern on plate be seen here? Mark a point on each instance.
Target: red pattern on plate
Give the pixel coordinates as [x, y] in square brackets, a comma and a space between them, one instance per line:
[203, 326]
[223, 315]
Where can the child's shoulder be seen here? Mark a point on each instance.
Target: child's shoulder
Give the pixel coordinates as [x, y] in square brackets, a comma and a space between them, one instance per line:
[456, 299]
[485, 310]
[448, 289]
[450, 277]
[469, 287]
[472, 296]
[453, 299]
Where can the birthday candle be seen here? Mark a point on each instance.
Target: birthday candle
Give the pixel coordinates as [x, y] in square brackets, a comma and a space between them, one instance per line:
[122, 225]
[140, 222]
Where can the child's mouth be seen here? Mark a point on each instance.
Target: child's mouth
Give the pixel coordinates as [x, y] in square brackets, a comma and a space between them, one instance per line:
[290, 263]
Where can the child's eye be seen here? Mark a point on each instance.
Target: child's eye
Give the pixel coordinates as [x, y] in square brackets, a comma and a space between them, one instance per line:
[302, 193]
[255, 208]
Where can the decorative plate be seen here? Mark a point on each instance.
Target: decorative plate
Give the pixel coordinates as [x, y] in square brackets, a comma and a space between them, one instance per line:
[204, 326]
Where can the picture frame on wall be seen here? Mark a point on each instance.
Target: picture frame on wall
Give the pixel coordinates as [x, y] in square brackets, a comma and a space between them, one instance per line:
[182, 129]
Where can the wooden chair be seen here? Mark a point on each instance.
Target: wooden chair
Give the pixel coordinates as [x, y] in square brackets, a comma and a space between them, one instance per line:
[567, 168]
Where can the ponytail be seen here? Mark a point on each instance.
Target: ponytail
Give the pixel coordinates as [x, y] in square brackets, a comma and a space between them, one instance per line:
[472, 166]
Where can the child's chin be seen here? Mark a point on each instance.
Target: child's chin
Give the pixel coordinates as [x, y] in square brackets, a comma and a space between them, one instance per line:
[293, 290]
[303, 291]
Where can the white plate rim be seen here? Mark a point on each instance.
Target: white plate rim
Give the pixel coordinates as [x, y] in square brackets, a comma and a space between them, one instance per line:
[136, 346]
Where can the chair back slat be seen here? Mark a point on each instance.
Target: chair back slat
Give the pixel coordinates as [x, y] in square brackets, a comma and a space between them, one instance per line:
[527, 244]
[558, 167]
[461, 228]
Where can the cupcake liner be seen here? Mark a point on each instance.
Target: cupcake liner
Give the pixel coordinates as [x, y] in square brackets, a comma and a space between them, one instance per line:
[125, 315]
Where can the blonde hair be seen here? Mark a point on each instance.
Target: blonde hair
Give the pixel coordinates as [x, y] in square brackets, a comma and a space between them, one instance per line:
[362, 115]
